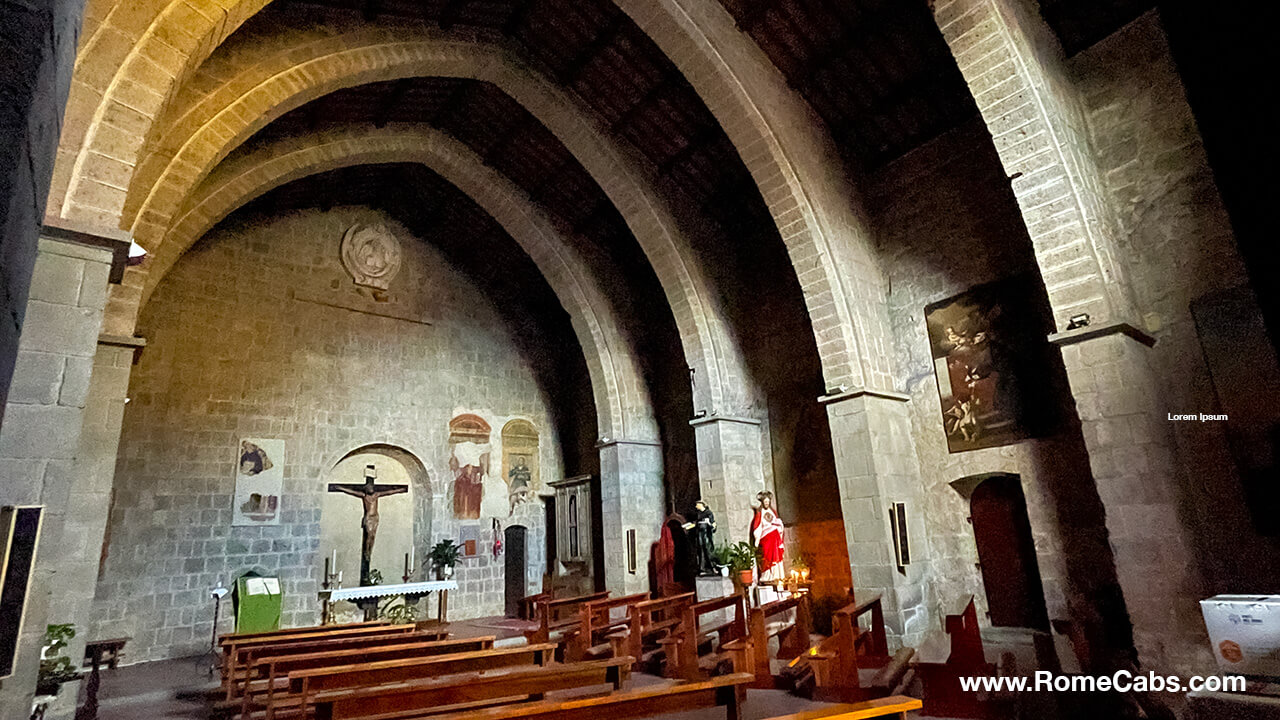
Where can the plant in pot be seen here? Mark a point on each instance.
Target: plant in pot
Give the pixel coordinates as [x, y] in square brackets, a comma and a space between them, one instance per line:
[723, 556]
[743, 559]
[55, 668]
[444, 555]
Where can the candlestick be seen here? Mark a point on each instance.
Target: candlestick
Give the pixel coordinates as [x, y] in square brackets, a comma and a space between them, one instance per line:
[327, 569]
[406, 565]
[335, 557]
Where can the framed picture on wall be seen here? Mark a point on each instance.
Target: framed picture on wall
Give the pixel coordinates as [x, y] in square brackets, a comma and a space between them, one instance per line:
[991, 361]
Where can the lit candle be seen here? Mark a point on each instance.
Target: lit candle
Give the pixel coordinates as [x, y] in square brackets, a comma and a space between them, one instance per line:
[339, 577]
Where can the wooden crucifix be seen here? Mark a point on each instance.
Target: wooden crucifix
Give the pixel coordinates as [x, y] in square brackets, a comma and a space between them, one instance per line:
[369, 492]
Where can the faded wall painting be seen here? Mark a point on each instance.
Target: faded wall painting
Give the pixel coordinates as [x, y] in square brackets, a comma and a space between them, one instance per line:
[469, 457]
[988, 346]
[259, 482]
[519, 461]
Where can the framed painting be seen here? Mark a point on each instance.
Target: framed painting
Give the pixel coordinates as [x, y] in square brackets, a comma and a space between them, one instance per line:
[990, 359]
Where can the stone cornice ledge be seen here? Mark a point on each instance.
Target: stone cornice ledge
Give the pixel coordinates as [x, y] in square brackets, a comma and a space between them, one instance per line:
[859, 392]
[122, 341]
[113, 239]
[1093, 332]
[724, 418]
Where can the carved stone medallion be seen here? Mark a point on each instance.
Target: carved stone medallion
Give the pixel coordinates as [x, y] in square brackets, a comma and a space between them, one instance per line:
[371, 254]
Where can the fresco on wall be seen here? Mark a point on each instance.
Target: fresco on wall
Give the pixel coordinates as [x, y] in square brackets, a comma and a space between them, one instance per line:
[988, 348]
[519, 462]
[469, 454]
[259, 482]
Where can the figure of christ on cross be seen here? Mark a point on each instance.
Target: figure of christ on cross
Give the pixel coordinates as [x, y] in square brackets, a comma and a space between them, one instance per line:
[369, 493]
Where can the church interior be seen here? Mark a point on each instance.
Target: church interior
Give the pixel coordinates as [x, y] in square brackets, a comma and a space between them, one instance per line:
[766, 359]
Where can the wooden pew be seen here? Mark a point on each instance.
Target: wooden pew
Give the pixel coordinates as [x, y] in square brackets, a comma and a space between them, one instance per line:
[303, 684]
[473, 690]
[728, 691]
[768, 621]
[270, 674]
[732, 639]
[286, 632]
[832, 669]
[251, 657]
[648, 624]
[940, 671]
[236, 651]
[897, 705]
[553, 615]
[597, 619]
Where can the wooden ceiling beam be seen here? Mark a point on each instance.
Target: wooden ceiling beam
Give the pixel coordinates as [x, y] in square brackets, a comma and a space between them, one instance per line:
[602, 40]
[500, 148]
[639, 105]
[703, 135]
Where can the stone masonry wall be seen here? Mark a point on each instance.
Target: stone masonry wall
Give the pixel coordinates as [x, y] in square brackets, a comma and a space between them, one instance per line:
[948, 222]
[230, 355]
[1180, 247]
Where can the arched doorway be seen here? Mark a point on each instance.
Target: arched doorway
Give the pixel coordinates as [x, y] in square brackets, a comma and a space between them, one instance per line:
[513, 542]
[1007, 552]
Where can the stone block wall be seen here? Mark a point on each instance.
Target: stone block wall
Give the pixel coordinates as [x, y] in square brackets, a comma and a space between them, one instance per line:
[231, 355]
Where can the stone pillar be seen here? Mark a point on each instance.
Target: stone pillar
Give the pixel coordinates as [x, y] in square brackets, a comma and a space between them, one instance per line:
[1015, 69]
[44, 414]
[876, 466]
[730, 471]
[631, 498]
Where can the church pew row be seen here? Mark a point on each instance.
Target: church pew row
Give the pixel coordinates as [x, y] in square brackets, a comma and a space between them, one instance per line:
[649, 623]
[790, 621]
[269, 674]
[465, 690]
[897, 705]
[833, 669]
[597, 620]
[728, 691]
[940, 665]
[557, 615]
[303, 684]
[720, 624]
[281, 633]
[236, 652]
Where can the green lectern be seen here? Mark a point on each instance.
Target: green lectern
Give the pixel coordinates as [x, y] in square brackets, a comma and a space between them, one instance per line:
[258, 602]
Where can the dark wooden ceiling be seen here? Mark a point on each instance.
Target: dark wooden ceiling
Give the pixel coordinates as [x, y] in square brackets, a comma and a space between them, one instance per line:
[877, 72]
[1081, 23]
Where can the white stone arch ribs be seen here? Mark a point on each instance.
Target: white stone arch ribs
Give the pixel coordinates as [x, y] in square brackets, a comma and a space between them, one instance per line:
[622, 401]
[800, 175]
[271, 78]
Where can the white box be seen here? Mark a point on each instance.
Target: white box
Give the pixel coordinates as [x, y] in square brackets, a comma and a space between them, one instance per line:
[1244, 631]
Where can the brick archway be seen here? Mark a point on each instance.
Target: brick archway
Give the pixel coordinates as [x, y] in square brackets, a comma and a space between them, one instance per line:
[622, 402]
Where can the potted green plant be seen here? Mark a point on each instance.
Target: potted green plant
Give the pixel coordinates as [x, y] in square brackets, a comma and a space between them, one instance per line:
[743, 559]
[444, 555]
[55, 668]
[722, 556]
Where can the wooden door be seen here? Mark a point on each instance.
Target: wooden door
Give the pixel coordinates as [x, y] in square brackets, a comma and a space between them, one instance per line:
[514, 542]
[1007, 554]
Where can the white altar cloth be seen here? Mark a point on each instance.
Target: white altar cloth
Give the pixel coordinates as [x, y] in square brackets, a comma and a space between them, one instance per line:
[377, 591]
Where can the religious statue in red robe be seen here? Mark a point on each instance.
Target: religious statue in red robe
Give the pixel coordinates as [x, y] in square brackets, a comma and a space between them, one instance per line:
[766, 533]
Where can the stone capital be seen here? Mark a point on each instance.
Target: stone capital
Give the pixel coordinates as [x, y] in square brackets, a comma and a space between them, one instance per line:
[115, 241]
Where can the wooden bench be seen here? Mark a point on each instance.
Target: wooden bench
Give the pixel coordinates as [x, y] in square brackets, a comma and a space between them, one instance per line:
[597, 620]
[940, 668]
[287, 632]
[554, 615]
[650, 622]
[303, 684]
[832, 669]
[271, 674]
[249, 666]
[237, 652]
[407, 699]
[769, 621]
[728, 691]
[898, 705]
[730, 636]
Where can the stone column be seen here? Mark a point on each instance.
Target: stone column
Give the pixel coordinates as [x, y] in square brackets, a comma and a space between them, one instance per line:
[730, 471]
[631, 498]
[876, 466]
[1015, 69]
[44, 413]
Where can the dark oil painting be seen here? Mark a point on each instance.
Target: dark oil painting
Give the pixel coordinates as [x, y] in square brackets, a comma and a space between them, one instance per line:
[989, 348]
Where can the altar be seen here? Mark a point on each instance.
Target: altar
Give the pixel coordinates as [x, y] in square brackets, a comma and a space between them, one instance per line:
[367, 595]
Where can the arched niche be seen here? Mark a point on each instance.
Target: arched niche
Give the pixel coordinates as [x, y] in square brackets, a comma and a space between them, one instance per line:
[403, 520]
[520, 463]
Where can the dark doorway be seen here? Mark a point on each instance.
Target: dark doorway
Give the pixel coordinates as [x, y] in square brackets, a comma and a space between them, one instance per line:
[514, 542]
[1007, 554]
[549, 505]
